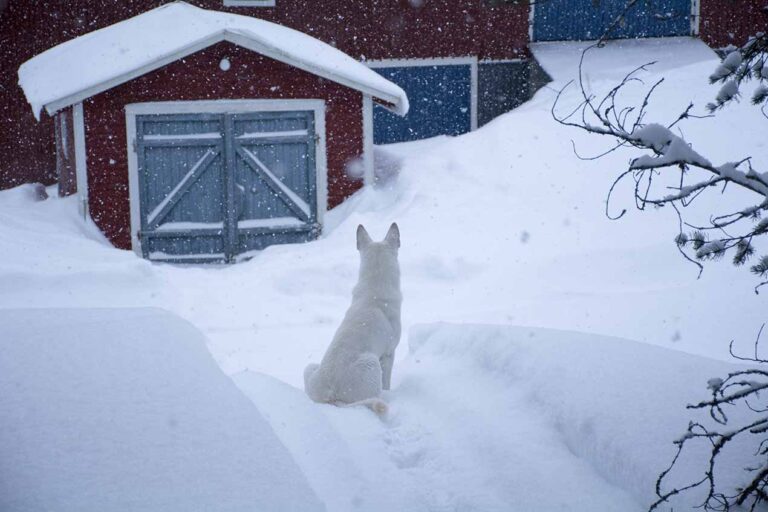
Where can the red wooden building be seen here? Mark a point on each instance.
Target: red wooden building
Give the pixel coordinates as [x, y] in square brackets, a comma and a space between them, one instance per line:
[731, 22]
[207, 142]
[462, 62]
[426, 32]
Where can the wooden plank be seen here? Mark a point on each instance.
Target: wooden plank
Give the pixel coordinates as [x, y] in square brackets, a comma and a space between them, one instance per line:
[159, 213]
[282, 229]
[183, 233]
[180, 143]
[266, 141]
[230, 214]
[286, 196]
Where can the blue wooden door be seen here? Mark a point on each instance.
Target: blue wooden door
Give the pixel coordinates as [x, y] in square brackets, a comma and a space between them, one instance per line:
[275, 179]
[181, 164]
[441, 103]
[215, 186]
[585, 20]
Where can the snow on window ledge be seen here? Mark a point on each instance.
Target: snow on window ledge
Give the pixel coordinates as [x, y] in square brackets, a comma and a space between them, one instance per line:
[249, 3]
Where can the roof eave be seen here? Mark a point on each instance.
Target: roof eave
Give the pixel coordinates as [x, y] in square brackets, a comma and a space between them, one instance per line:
[277, 54]
[235, 38]
[72, 99]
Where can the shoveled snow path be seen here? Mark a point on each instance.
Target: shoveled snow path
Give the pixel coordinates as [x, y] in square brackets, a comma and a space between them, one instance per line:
[455, 439]
[501, 418]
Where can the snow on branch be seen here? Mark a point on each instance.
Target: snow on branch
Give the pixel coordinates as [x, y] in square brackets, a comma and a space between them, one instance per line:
[740, 65]
[739, 393]
[667, 152]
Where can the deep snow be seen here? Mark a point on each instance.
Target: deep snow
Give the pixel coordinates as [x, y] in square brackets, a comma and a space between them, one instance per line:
[124, 409]
[500, 226]
[502, 418]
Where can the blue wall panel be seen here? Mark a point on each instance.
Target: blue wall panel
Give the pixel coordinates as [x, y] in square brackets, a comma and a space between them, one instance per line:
[440, 98]
[584, 20]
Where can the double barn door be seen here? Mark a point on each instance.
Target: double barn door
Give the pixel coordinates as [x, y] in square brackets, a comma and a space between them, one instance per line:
[214, 187]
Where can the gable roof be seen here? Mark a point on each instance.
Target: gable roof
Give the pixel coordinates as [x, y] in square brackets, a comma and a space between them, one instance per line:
[95, 62]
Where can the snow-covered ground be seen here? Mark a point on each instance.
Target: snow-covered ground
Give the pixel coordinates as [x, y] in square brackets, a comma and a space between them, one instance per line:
[124, 409]
[501, 226]
[501, 418]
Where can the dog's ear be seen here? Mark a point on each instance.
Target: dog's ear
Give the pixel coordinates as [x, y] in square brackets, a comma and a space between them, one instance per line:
[393, 235]
[363, 238]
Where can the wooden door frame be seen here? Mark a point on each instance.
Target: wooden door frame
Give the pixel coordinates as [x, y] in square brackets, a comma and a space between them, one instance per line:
[222, 107]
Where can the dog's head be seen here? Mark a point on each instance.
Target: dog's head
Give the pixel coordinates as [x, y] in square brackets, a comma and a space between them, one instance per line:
[390, 243]
[378, 260]
[380, 254]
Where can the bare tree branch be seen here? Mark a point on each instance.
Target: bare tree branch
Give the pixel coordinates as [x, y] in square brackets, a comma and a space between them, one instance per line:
[668, 152]
[737, 388]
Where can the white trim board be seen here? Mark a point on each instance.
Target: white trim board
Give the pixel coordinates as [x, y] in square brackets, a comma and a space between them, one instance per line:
[368, 162]
[225, 35]
[81, 159]
[531, 18]
[432, 61]
[470, 61]
[501, 61]
[317, 106]
[695, 17]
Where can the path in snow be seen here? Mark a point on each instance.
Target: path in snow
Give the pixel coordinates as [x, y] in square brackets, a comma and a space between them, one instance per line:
[455, 440]
[496, 418]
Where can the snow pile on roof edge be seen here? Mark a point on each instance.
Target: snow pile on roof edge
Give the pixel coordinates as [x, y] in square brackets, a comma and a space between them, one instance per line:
[115, 54]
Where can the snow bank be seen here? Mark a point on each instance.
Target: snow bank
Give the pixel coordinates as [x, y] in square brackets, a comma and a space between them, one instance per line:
[446, 445]
[615, 403]
[104, 58]
[498, 418]
[52, 258]
[561, 59]
[108, 409]
[323, 451]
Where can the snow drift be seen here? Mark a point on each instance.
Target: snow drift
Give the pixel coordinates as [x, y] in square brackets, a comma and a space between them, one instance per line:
[109, 409]
[614, 403]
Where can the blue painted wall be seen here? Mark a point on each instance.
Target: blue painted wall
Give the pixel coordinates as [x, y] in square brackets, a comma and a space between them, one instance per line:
[440, 98]
[584, 20]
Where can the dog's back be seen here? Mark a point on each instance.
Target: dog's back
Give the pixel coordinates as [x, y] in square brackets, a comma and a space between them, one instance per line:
[358, 362]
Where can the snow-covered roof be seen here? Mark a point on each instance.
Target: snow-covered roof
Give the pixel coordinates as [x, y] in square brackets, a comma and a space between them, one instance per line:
[78, 69]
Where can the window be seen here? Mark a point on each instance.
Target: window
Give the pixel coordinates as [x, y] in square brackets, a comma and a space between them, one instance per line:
[249, 3]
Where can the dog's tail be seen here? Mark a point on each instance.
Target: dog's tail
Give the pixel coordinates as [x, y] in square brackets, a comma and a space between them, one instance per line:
[377, 405]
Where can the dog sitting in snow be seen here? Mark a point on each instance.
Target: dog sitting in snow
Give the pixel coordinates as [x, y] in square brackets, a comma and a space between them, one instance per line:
[358, 363]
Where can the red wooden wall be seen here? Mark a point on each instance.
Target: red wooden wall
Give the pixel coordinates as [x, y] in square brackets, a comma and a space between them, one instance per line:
[726, 22]
[371, 29]
[198, 77]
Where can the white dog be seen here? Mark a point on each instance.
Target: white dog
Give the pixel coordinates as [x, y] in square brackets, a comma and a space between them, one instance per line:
[358, 363]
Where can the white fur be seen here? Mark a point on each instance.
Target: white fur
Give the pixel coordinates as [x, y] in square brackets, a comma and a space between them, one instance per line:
[358, 363]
